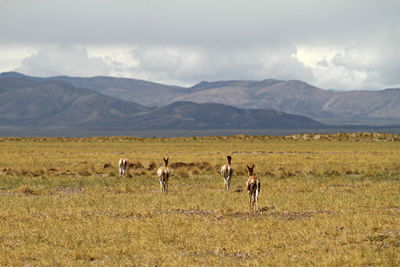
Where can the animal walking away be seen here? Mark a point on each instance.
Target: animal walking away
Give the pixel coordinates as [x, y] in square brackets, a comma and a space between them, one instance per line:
[227, 173]
[253, 188]
[163, 175]
[123, 167]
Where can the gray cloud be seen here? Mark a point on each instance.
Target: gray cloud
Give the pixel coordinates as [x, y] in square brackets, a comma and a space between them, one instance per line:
[188, 41]
[207, 22]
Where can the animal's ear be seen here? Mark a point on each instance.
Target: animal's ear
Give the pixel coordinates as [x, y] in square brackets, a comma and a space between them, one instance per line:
[163, 158]
[248, 167]
[253, 165]
[167, 158]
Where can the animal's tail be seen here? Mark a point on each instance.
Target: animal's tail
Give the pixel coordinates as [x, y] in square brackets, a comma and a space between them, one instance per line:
[253, 185]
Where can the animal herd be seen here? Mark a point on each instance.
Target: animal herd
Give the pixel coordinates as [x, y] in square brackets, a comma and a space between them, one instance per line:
[252, 185]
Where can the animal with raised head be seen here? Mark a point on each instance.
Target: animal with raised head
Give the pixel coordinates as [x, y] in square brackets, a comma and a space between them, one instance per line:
[123, 167]
[227, 172]
[253, 188]
[163, 174]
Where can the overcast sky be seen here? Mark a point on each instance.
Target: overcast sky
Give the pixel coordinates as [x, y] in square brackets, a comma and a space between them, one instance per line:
[341, 45]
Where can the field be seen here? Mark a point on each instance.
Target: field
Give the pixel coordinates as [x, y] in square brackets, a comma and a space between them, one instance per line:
[325, 200]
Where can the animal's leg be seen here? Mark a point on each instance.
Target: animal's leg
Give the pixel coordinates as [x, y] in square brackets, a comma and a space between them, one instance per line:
[250, 201]
[253, 196]
[256, 200]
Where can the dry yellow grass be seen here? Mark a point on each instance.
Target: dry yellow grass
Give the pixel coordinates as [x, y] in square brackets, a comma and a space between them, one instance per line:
[325, 200]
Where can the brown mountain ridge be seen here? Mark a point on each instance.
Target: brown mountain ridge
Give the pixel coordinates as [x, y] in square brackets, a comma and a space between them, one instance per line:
[53, 103]
[294, 97]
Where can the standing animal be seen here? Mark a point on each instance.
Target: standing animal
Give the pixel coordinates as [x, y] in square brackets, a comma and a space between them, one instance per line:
[253, 188]
[123, 167]
[163, 174]
[227, 173]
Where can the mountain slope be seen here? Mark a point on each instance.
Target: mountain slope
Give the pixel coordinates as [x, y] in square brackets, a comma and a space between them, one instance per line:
[188, 115]
[138, 91]
[57, 103]
[53, 103]
[295, 97]
[301, 98]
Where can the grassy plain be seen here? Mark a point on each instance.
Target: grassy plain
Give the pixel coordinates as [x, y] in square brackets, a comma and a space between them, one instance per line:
[325, 200]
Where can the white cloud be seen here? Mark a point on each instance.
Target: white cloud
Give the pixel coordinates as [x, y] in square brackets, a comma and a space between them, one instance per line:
[353, 67]
[63, 60]
[189, 65]
[350, 68]
[11, 56]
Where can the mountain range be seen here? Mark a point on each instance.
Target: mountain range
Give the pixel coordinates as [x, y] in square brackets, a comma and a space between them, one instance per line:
[294, 97]
[39, 102]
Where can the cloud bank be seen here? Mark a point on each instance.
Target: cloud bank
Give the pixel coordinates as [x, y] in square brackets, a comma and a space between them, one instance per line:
[338, 45]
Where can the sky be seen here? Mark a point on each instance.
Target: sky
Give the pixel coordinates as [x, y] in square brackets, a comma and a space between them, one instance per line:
[331, 44]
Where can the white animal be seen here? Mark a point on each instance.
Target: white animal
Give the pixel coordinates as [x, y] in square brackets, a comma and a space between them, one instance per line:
[227, 173]
[163, 174]
[123, 167]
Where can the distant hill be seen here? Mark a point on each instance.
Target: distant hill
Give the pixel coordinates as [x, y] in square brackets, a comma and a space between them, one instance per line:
[298, 97]
[189, 115]
[294, 97]
[138, 91]
[54, 103]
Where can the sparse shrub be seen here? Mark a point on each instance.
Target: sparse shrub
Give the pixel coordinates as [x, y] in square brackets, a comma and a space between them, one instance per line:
[348, 171]
[29, 191]
[332, 173]
[10, 171]
[84, 173]
[24, 172]
[152, 165]
[182, 172]
[136, 165]
[37, 173]
[137, 173]
[205, 166]
[196, 171]
[269, 172]
[316, 172]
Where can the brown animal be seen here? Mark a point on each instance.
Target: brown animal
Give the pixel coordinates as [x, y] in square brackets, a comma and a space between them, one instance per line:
[163, 174]
[123, 167]
[253, 188]
[227, 173]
